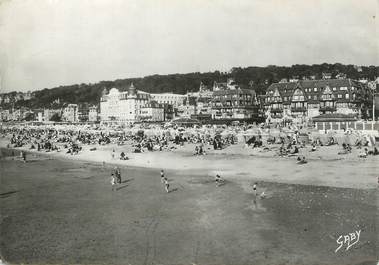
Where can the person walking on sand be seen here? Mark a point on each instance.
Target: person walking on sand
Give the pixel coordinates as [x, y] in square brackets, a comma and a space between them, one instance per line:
[166, 184]
[113, 153]
[113, 181]
[162, 176]
[255, 189]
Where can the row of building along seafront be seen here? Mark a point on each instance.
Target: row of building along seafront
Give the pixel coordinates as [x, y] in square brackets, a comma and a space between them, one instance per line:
[297, 101]
[223, 101]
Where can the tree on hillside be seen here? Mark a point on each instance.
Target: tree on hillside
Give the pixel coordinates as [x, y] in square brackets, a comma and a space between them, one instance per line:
[56, 117]
[259, 79]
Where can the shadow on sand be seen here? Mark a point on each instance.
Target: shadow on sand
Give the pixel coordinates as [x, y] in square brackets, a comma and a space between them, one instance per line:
[127, 180]
[7, 194]
[121, 187]
[173, 190]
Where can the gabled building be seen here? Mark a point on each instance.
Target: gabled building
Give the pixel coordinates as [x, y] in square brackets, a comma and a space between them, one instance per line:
[188, 108]
[204, 101]
[309, 98]
[233, 102]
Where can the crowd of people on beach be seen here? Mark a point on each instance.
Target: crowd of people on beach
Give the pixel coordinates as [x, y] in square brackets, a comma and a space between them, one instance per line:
[288, 141]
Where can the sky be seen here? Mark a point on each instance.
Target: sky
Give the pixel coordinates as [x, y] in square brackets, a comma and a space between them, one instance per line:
[47, 43]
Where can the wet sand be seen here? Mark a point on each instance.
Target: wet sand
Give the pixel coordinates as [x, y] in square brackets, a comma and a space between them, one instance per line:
[57, 211]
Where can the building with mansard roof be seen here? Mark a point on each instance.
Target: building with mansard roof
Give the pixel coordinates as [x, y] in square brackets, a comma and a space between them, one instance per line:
[122, 107]
[168, 98]
[309, 98]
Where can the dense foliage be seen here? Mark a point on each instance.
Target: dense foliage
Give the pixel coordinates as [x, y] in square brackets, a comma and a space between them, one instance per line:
[258, 78]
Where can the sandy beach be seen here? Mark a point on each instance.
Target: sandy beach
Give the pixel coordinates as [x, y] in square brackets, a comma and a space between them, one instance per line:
[325, 167]
[61, 211]
[58, 208]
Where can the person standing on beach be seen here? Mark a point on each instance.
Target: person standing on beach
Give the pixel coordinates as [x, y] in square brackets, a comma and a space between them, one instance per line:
[113, 181]
[24, 156]
[113, 153]
[118, 175]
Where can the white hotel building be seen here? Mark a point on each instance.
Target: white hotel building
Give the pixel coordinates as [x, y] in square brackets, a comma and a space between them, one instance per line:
[135, 105]
[122, 107]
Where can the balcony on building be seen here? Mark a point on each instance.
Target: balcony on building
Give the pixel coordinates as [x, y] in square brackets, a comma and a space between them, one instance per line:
[277, 115]
[298, 107]
[327, 109]
[276, 110]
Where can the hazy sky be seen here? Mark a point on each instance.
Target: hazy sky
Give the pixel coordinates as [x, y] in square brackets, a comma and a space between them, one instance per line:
[46, 43]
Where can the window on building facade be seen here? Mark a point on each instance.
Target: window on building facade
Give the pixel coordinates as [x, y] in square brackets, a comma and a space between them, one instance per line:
[334, 88]
[315, 89]
[315, 97]
[347, 96]
[339, 96]
[343, 88]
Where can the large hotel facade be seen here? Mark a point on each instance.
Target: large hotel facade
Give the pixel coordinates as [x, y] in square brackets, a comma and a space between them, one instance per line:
[122, 107]
[302, 100]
